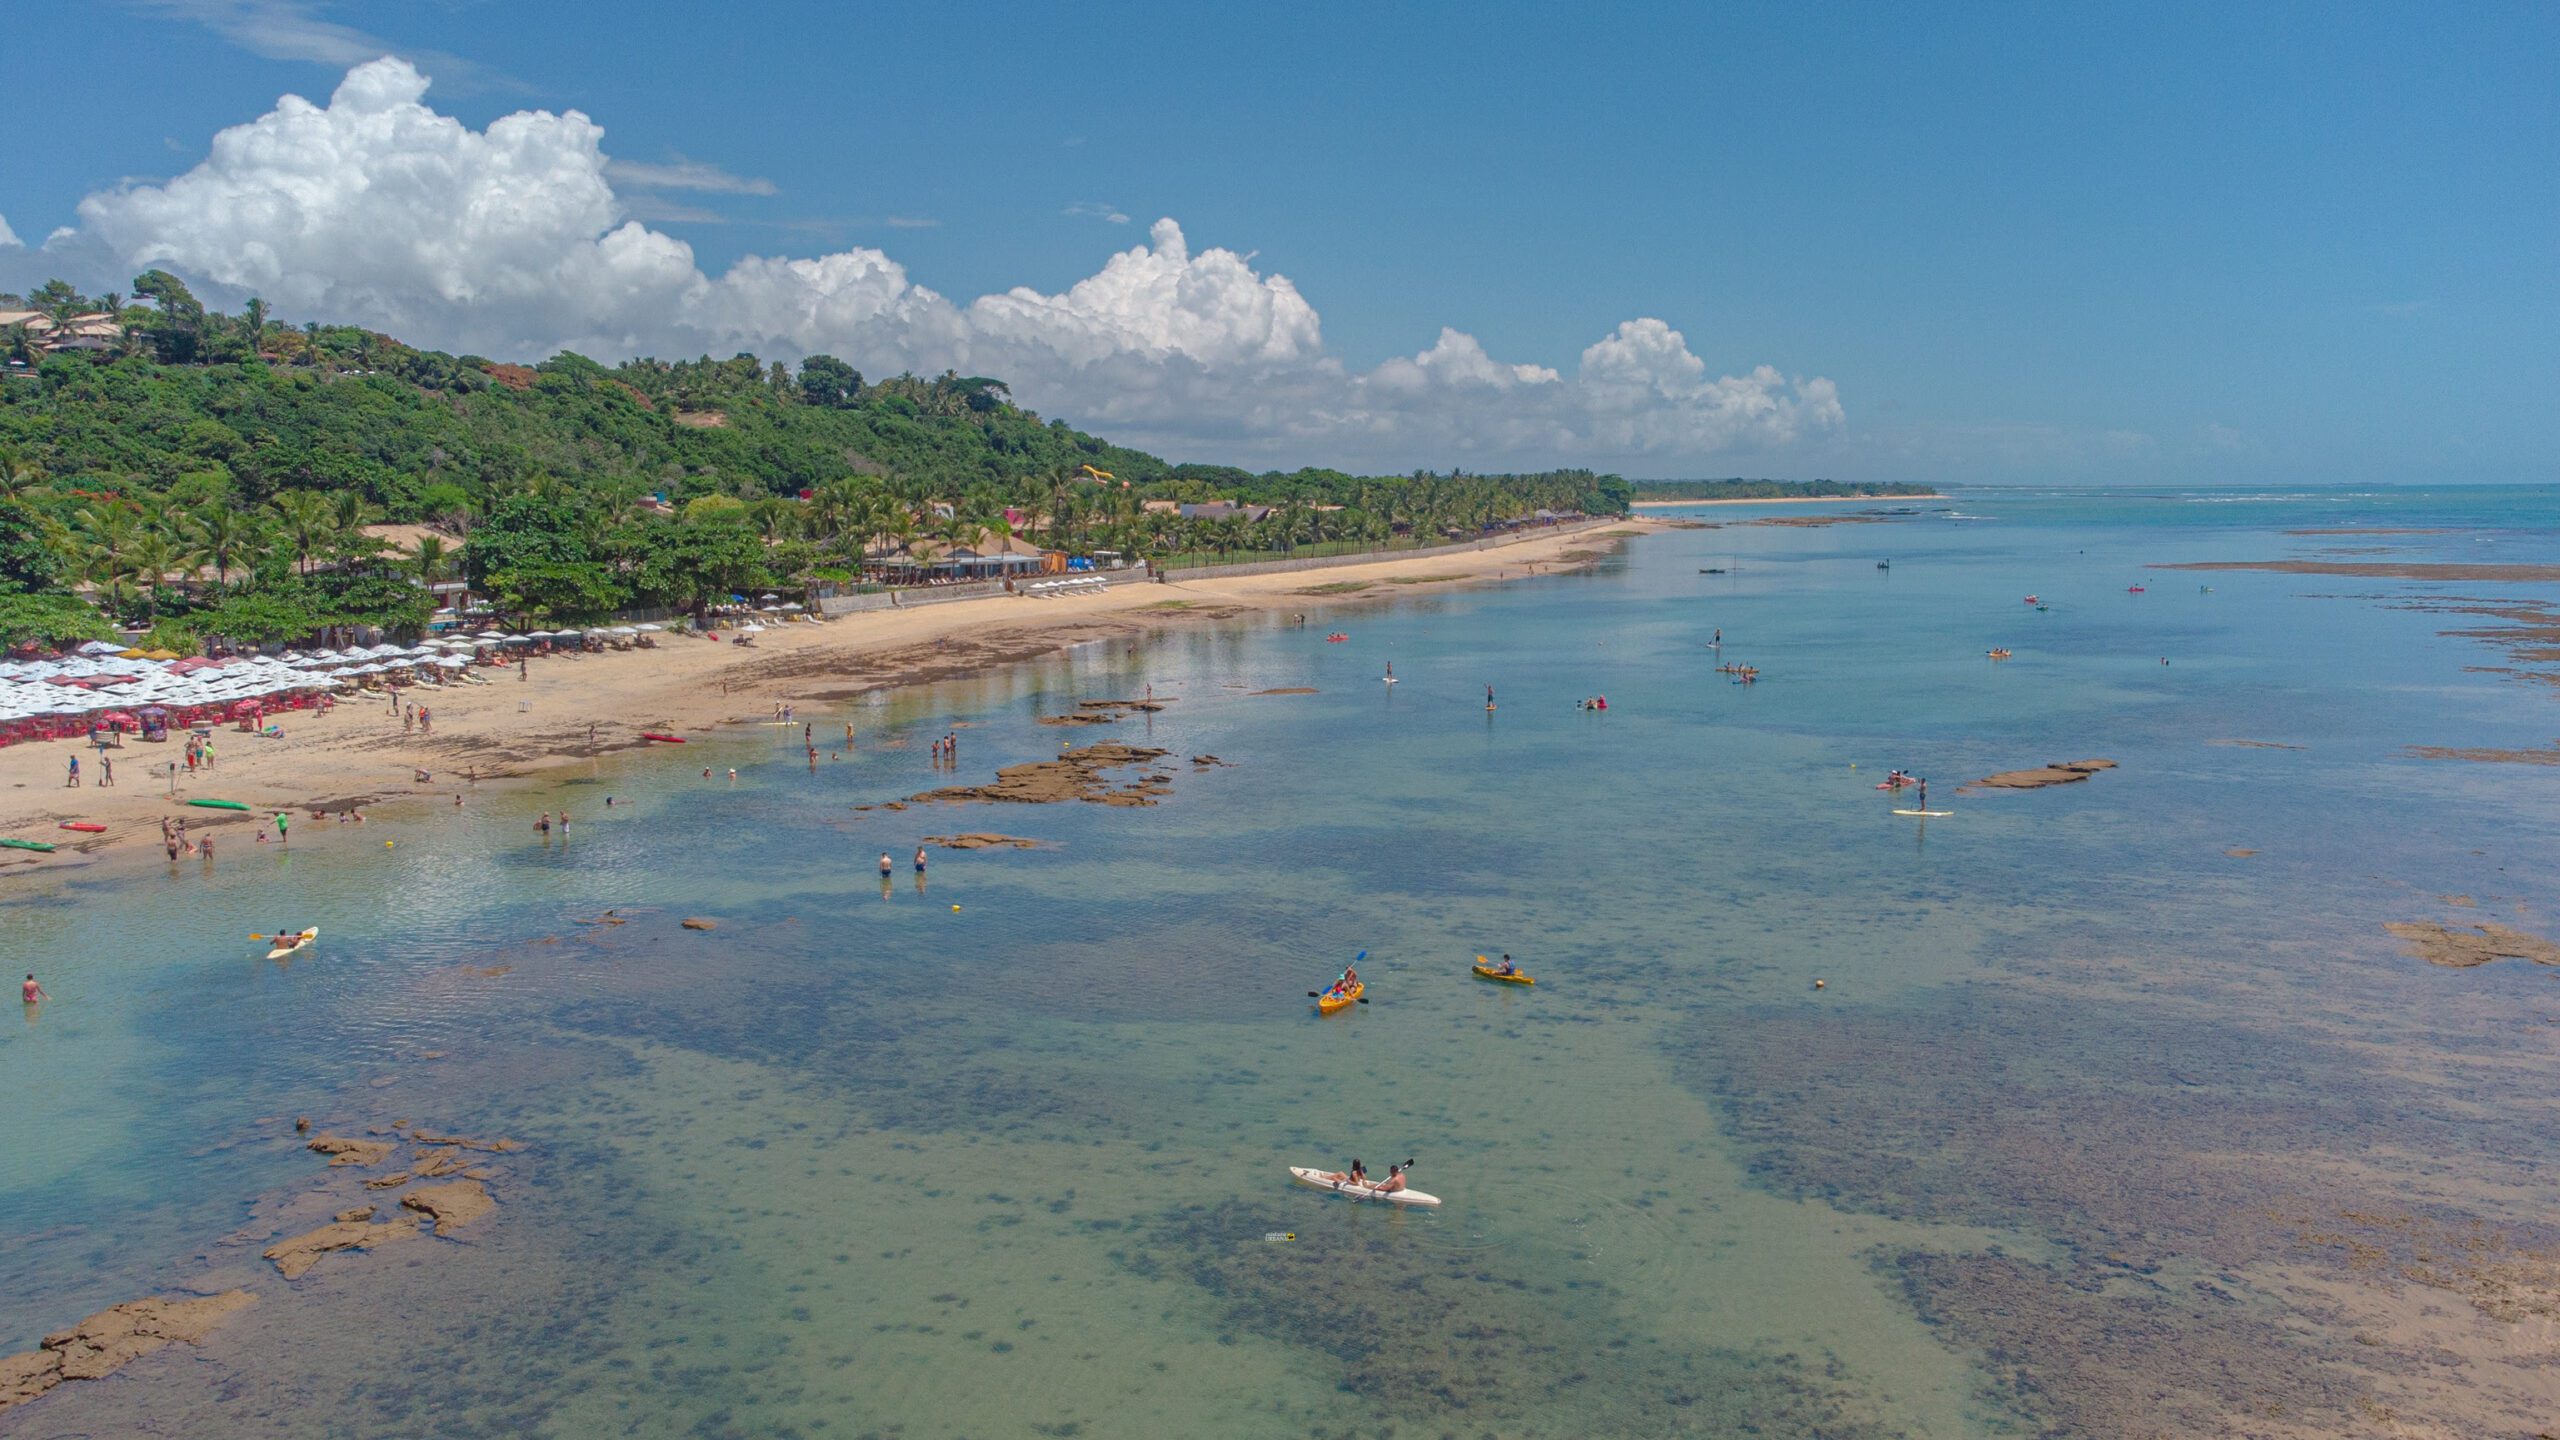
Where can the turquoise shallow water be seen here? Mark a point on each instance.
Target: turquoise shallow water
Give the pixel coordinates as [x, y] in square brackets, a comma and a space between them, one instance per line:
[861, 1162]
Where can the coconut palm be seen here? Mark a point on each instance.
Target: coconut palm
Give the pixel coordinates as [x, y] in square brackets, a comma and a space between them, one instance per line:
[309, 523]
[106, 534]
[154, 558]
[433, 562]
[224, 538]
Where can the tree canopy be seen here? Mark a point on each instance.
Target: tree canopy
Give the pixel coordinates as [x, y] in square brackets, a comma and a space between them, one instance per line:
[206, 458]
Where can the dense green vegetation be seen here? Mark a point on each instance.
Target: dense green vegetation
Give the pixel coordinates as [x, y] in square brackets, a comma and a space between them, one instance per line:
[213, 475]
[1741, 489]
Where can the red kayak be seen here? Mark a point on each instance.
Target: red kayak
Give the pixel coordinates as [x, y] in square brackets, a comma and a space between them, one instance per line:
[87, 826]
[662, 739]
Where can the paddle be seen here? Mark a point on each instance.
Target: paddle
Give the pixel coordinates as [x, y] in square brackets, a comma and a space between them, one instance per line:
[1354, 965]
[1385, 1196]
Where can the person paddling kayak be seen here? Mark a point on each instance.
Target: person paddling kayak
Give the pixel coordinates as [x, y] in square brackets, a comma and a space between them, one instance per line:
[1344, 986]
[1394, 1181]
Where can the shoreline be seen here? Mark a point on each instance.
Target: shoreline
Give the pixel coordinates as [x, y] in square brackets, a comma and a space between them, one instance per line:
[510, 730]
[1790, 500]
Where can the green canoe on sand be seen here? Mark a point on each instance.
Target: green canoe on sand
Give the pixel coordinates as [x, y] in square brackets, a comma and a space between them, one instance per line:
[219, 804]
[27, 845]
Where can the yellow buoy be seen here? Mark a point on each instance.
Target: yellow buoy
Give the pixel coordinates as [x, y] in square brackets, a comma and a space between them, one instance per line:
[386, 844]
[955, 909]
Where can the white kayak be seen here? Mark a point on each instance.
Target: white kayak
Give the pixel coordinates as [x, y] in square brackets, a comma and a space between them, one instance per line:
[287, 944]
[1322, 1180]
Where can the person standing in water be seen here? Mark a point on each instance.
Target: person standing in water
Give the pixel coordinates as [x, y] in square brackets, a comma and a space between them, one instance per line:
[886, 865]
[919, 859]
[1391, 672]
[1488, 697]
[32, 993]
[1718, 642]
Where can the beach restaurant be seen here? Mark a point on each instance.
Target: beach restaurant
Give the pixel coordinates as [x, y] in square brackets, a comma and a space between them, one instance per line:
[928, 562]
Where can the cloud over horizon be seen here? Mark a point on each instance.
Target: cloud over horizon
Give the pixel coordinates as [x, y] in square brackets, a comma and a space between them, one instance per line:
[513, 242]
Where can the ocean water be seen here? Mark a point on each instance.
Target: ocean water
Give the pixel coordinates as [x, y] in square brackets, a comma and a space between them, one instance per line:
[2081, 1134]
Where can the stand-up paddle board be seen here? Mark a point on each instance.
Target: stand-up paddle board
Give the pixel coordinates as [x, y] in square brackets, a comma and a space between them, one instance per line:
[1924, 812]
[1315, 1179]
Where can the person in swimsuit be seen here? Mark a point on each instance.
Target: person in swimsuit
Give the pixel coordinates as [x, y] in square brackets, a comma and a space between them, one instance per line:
[1350, 980]
[1353, 1176]
[919, 859]
[544, 824]
[886, 865]
[1394, 1181]
[31, 992]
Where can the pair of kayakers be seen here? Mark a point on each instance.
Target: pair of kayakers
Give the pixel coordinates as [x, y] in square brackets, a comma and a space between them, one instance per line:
[1358, 1175]
[1349, 982]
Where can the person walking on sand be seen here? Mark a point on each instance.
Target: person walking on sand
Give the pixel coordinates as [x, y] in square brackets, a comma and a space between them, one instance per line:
[74, 782]
[106, 769]
[426, 721]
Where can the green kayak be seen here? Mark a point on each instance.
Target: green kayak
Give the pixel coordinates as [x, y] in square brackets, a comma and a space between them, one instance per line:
[27, 845]
[219, 804]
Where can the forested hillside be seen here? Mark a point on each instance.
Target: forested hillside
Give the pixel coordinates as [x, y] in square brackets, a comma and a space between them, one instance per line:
[214, 474]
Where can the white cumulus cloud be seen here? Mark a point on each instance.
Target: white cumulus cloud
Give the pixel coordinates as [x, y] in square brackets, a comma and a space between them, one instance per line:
[7, 235]
[513, 242]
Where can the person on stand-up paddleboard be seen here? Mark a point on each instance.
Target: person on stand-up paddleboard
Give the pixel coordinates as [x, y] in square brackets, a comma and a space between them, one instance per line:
[1924, 794]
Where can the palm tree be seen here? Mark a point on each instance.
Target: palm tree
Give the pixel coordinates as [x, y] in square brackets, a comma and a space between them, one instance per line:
[226, 539]
[18, 478]
[433, 561]
[309, 522]
[253, 322]
[106, 534]
[348, 515]
[153, 557]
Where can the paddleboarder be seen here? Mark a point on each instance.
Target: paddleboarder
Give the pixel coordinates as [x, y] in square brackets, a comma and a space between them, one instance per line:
[1924, 797]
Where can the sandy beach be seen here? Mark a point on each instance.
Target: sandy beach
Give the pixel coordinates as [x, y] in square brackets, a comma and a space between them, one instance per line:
[1789, 500]
[355, 754]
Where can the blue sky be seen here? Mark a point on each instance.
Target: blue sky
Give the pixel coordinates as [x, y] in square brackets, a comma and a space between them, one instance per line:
[2173, 244]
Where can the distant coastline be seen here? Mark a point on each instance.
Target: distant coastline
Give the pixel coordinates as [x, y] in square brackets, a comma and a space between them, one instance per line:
[1784, 500]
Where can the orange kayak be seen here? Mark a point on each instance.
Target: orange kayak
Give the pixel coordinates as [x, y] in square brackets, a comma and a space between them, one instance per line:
[1329, 1002]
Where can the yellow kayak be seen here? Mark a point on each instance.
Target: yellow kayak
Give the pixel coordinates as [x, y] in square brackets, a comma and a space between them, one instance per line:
[1329, 1002]
[1488, 971]
[287, 944]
